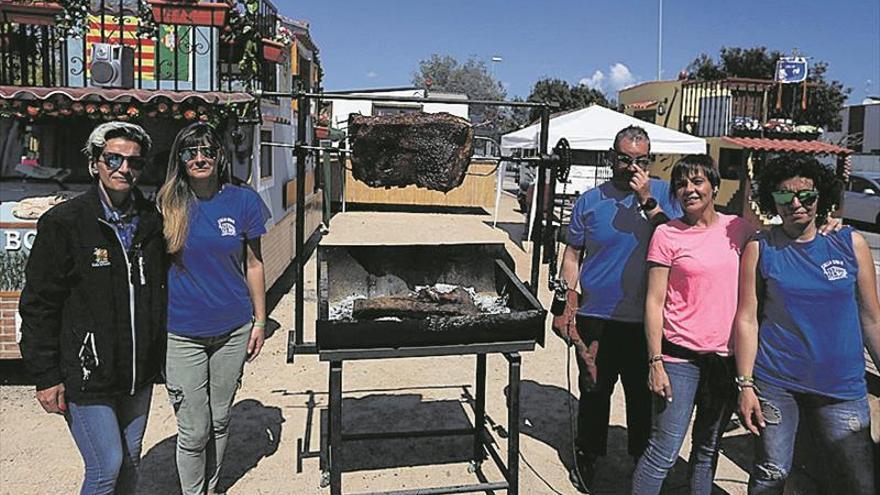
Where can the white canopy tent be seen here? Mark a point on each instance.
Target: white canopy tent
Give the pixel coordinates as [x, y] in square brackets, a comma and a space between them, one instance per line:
[593, 129]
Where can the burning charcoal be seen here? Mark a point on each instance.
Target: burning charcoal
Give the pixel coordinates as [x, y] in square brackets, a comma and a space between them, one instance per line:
[432, 151]
[408, 307]
[457, 295]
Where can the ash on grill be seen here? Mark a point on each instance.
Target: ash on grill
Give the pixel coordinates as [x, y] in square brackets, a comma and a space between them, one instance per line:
[425, 301]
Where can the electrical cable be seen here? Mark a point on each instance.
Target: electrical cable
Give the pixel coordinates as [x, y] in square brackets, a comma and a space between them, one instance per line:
[538, 475]
[571, 424]
[571, 419]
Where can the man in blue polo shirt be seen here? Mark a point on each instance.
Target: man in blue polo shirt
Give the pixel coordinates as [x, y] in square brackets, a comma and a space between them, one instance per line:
[611, 226]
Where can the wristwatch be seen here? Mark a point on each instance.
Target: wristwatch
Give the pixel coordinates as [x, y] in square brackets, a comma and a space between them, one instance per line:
[648, 205]
[744, 381]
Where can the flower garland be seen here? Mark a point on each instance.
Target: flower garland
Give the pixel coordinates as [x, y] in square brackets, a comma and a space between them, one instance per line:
[73, 18]
[127, 112]
[283, 35]
[241, 29]
[147, 26]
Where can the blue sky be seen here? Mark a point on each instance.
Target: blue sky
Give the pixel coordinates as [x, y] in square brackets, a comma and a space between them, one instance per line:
[378, 43]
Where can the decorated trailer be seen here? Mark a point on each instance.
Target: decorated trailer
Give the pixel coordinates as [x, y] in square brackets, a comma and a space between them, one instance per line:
[66, 67]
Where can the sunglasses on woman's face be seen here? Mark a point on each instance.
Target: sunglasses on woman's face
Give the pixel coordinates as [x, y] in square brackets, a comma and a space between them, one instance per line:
[114, 160]
[805, 197]
[188, 154]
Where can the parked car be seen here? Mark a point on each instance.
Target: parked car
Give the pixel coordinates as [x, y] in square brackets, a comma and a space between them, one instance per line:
[862, 198]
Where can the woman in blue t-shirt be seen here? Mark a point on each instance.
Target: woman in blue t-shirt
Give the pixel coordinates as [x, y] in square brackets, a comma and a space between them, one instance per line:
[216, 294]
[806, 303]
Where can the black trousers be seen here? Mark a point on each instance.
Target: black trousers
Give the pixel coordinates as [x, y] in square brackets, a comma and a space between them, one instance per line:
[622, 353]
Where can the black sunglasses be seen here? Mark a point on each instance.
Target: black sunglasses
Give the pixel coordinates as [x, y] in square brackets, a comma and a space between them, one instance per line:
[641, 162]
[190, 153]
[114, 160]
[806, 197]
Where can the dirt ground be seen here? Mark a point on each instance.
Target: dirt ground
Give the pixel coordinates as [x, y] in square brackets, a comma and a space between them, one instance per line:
[272, 412]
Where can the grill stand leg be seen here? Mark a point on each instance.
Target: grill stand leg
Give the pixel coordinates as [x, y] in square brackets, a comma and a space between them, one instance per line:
[514, 360]
[336, 428]
[479, 411]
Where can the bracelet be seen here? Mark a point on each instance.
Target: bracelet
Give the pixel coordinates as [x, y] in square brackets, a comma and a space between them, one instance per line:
[745, 380]
[655, 358]
[259, 324]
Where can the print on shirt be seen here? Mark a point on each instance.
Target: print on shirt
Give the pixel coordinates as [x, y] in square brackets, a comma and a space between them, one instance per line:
[100, 258]
[227, 226]
[834, 270]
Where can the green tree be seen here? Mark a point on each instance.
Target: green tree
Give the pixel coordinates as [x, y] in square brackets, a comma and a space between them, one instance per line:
[515, 117]
[445, 74]
[568, 96]
[825, 98]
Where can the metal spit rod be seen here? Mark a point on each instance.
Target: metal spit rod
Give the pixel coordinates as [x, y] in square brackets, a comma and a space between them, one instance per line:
[405, 99]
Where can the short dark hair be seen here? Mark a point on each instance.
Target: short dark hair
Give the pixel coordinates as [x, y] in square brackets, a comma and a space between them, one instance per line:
[785, 166]
[632, 133]
[692, 164]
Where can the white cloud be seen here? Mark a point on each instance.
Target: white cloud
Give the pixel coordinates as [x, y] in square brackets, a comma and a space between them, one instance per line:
[619, 77]
[372, 74]
[596, 81]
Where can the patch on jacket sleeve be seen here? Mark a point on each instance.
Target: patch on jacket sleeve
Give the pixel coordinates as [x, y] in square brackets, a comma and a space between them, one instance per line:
[100, 257]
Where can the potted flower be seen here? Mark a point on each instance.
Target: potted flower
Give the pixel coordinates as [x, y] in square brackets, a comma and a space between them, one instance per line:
[273, 51]
[42, 13]
[189, 13]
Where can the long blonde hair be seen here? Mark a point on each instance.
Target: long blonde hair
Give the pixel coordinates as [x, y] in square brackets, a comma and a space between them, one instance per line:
[175, 198]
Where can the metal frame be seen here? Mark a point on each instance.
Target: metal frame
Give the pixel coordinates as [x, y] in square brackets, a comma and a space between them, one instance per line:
[332, 449]
[331, 463]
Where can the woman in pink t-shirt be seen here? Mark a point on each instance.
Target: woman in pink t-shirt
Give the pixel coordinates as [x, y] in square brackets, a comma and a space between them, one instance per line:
[689, 310]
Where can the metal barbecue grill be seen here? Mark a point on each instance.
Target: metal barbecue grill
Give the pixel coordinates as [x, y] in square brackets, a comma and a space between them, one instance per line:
[380, 270]
[373, 271]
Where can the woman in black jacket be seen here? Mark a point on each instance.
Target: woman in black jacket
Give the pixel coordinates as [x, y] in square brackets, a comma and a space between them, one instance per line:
[93, 309]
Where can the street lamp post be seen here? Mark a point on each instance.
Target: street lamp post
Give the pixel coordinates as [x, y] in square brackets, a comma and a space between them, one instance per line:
[495, 60]
[660, 42]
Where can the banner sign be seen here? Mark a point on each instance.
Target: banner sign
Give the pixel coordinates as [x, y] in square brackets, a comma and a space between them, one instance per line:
[791, 70]
[175, 46]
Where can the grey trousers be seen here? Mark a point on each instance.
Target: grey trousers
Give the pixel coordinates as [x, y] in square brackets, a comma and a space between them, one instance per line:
[203, 375]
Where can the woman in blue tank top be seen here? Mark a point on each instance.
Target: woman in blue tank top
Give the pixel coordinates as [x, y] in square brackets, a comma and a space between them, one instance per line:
[807, 308]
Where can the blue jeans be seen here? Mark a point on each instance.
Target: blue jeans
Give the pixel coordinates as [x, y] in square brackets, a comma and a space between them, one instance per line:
[203, 374]
[109, 434]
[670, 422]
[841, 428]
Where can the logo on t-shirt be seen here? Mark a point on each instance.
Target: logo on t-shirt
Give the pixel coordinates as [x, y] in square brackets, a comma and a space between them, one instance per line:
[226, 226]
[834, 270]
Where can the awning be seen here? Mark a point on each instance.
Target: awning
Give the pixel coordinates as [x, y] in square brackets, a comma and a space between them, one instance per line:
[788, 146]
[642, 105]
[103, 95]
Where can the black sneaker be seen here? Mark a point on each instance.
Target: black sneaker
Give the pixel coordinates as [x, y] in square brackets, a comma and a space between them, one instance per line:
[582, 474]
